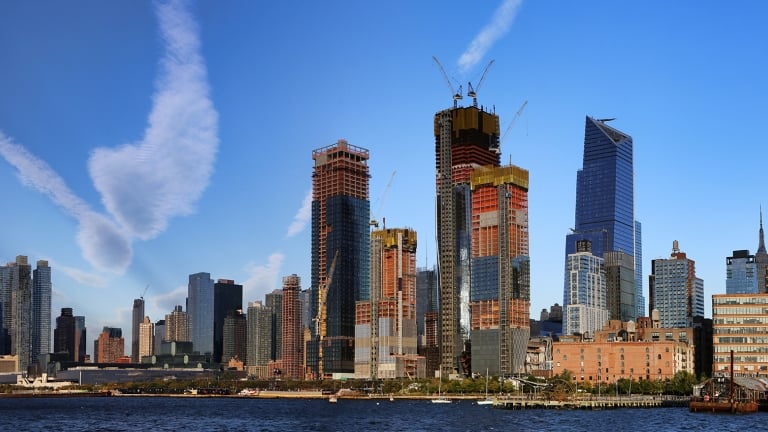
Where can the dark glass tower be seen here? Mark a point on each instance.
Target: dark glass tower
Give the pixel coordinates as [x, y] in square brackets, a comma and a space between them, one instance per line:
[227, 297]
[200, 311]
[340, 236]
[605, 211]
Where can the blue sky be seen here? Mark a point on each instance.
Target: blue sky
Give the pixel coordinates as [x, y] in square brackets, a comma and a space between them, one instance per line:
[142, 141]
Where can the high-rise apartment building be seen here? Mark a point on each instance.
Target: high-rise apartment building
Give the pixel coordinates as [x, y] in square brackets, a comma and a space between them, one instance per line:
[292, 355]
[41, 310]
[110, 345]
[235, 338]
[259, 334]
[739, 325]
[340, 236]
[200, 312]
[227, 297]
[674, 290]
[274, 302]
[136, 319]
[177, 326]
[465, 138]
[64, 335]
[427, 300]
[741, 273]
[605, 215]
[146, 338]
[587, 310]
[761, 258]
[159, 335]
[386, 340]
[21, 311]
[6, 309]
[500, 278]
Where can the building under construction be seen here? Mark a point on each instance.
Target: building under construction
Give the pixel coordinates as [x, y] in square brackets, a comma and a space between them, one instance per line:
[340, 256]
[482, 221]
[385, 325]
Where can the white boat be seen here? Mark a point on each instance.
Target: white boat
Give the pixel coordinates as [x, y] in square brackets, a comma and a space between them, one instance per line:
[440, 399]
[332, 399]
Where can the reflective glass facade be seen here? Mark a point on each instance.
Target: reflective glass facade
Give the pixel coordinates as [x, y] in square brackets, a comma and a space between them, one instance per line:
[41, 310]
[200, 311]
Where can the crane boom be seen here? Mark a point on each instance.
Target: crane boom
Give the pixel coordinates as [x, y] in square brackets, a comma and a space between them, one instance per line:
[456, 95]
[374, 222]
[472, 91]
[514, 119]
[322, 295]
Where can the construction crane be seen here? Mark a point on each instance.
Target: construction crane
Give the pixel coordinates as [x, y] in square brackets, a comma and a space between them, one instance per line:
[472, 92]
[456, 94]
[322, 295]
[512, 123]
[144, 292]
[374, 222]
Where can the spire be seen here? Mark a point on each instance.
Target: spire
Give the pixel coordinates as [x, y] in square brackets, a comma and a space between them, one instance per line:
[761, 246]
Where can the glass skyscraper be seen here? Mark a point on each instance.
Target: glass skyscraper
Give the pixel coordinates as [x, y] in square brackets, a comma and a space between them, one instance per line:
[41, 310]
[741, 273]
[227, 298]
[605, 211]
[200, 312]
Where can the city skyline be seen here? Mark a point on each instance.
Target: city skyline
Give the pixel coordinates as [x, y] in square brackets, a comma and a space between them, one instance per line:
[685, 84]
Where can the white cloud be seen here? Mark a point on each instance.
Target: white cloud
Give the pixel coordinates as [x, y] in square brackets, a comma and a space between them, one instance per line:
[164, 303]
[302, 216]
[500, 24]
[81, 276]
[145, 184]
[262, 279]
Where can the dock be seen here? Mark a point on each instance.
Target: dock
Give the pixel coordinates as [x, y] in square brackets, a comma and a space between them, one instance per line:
[601, 403]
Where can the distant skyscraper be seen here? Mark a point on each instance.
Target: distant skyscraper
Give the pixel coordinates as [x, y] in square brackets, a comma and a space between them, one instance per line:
[6, 309]
[640, 298]
[386, 343]
[80, 339]
[159, 335]
[675, 291]
[465, 138]
[146, 338]
[274, 302]
[587, 310]
[259, 334]
[340, 231]
[235, 340]
[21, 322]
[177, 326]
[137, 319]
[605, 214]
[292, 354]
[64, 335]
[200, 310]
[110, 345]
[741, 273]
[41, 310]
[427, 299]
[761, 258]
[227, 297]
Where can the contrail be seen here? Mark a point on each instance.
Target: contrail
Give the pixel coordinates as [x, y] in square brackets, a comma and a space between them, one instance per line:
[500, 24]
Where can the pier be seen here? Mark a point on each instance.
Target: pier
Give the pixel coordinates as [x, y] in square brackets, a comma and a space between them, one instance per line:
[602, 403]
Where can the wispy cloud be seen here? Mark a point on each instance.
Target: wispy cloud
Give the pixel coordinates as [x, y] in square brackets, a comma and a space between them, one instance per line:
[302, 217]
[500, 24]
[145, 184]
[262, 279]
[81, 276]
[167, 301]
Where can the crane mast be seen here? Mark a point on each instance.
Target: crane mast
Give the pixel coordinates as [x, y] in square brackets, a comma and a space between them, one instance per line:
[322, 295]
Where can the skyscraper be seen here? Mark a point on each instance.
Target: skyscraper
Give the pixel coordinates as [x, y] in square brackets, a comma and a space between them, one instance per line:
[110, 345]
[386, 343]
[227, 296]
[500, 270]
[605, 214]
[177, 326]
[274, 302]
[259, 334]
[21, 321]
[587, 310]
[64, 335]
[160, 335]
[675, 291]
[80, 338]
[340, 235]
[761, 258]
[41, 310]
[146, 338]
[741, 275]
[137, 319]
[200, 311]
[235, 340]
[465, 138]
[6, 309]
[292, 354]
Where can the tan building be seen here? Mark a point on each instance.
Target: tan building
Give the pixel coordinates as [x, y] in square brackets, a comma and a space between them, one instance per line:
[740, 324]
[177, 326]
[146, 338]
[624, 350]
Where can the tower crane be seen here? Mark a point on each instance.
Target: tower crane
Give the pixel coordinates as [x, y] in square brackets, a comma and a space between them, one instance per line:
[144, 292]
[374, 222]
[322, 295]
[472, 91]
[512, 123]
[456, 94]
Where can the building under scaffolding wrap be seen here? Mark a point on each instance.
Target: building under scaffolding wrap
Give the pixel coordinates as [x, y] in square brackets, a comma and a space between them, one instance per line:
[500, 296]
[385, 325]
[465, 138]
[340, 236]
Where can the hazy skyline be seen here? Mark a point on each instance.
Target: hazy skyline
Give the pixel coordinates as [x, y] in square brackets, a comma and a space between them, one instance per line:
[146, 141]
